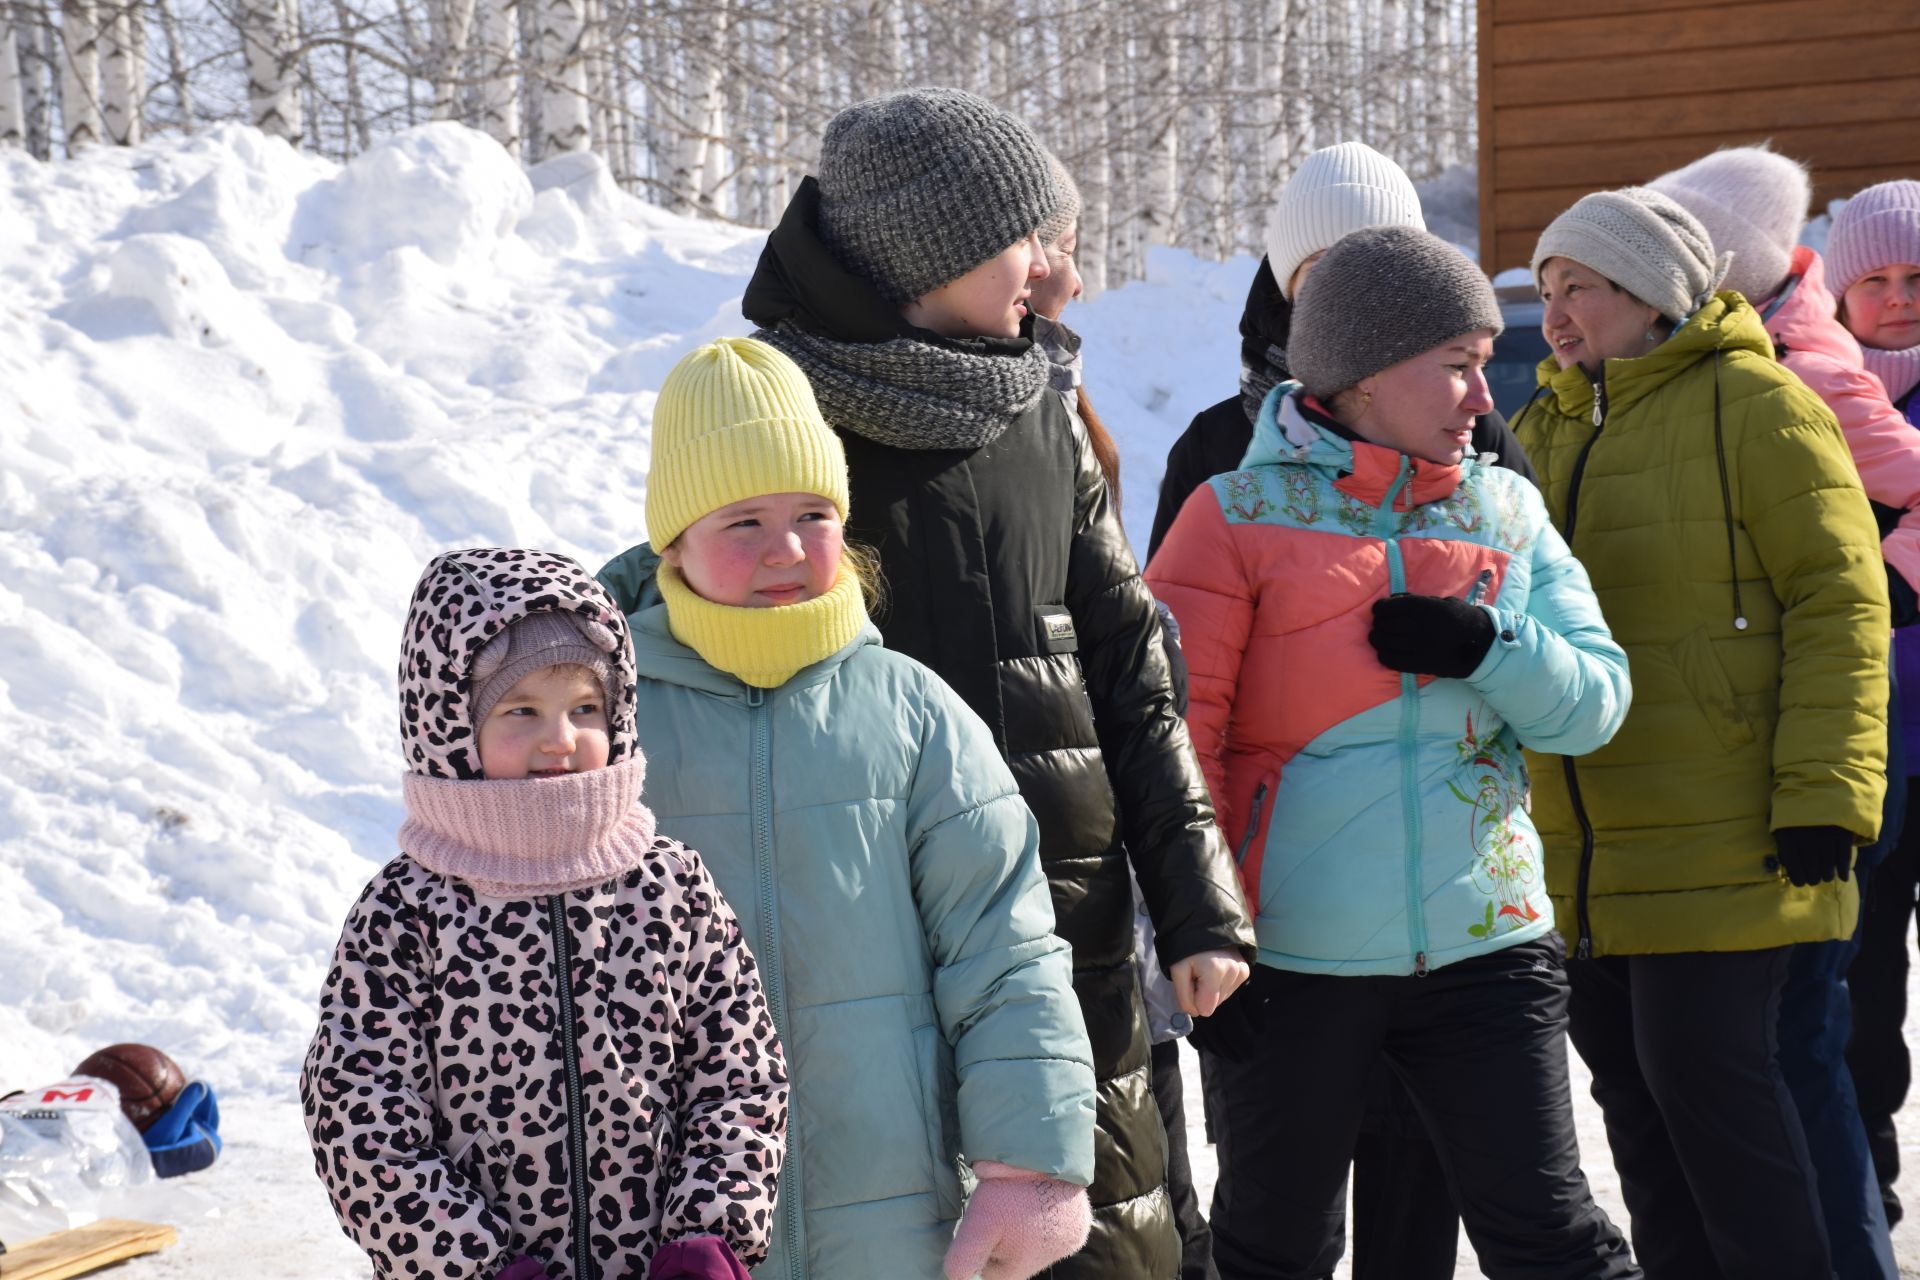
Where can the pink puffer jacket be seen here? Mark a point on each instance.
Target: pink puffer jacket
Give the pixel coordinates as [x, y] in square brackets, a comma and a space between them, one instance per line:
[1886, 448]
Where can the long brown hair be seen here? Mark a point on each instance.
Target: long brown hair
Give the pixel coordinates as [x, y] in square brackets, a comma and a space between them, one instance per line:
[1104, 449]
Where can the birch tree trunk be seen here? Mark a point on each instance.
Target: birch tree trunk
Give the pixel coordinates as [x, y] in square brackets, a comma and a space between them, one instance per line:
[13, 112]
[176, 67]
[79, 75]
[122, 75]
[564, 120]
[272, 88]
[1158, 100]
[1086, 79]
[450, 28]
[38, 44]
[499, 33]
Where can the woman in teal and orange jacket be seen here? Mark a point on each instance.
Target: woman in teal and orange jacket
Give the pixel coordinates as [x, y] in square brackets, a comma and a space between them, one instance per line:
[1374, 623]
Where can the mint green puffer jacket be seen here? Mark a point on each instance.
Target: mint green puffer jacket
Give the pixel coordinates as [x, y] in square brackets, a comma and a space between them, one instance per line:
[886, 873]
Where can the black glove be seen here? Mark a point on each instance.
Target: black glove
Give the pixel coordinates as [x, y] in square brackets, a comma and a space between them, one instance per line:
[1233, 1031]
[1901, 596]
[1430, 635]
[1814, 855]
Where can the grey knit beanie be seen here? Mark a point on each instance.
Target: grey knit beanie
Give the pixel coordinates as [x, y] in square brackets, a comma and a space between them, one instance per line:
[536, 641]
[1061, 219]
[1753, 202]
[919, 187]
[1380, 296]
[1643, 242]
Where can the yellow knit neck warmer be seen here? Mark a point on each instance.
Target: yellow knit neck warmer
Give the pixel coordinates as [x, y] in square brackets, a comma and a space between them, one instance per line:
[764, 647]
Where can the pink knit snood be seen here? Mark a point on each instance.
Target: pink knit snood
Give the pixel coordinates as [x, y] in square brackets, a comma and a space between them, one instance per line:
[530, 836]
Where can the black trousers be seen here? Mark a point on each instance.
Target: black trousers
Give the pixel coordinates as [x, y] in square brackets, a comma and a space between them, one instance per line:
[1404, 1224]
[1712, 1160]
[1481, 1048]
[1196, 1239]
[1877, 1052]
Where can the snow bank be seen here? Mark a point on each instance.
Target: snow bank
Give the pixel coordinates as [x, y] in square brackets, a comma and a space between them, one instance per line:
[245, 395]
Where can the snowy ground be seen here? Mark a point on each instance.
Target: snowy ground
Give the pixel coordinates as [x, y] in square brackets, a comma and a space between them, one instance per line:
[244, 395]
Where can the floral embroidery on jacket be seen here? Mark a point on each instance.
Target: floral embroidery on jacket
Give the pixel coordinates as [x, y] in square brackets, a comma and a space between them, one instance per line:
[1504, 868]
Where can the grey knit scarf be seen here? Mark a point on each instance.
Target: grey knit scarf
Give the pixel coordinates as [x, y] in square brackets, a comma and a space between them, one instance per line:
[909, 394]
[1259, 376]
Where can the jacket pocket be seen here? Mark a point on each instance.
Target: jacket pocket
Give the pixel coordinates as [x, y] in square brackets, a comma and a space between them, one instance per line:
[934, 1091]
[1712, 692]
[480, 1163]
[1053, 630]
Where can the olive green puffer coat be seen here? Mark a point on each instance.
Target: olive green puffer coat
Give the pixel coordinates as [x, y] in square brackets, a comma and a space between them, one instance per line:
[1701, 454]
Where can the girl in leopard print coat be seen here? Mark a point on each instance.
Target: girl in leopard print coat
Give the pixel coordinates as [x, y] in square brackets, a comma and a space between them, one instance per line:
[472, 1116]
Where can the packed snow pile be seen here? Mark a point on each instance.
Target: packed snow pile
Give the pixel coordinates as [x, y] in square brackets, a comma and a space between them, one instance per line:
[245, 394]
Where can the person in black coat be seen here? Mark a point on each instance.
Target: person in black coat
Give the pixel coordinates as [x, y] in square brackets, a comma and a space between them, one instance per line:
[897, 279]
[1405, 1226]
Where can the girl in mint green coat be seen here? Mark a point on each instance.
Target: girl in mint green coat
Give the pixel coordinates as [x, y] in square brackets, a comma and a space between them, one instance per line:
[858, 818]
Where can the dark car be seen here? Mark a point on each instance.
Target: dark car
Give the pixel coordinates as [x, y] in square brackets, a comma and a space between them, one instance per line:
[1518, 349]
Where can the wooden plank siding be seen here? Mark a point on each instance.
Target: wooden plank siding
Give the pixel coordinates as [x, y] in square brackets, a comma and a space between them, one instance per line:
[1628, 89]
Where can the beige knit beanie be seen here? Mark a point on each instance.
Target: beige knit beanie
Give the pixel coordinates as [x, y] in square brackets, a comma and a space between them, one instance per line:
[1643, 242]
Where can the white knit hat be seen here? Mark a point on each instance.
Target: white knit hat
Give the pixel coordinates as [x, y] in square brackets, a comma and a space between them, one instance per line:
[1753, 202]
[1337, 189]
[1643, 242]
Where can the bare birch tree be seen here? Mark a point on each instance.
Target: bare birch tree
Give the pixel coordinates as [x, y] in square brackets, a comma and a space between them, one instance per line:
[13, 111]
[79, 74]
[273, 86]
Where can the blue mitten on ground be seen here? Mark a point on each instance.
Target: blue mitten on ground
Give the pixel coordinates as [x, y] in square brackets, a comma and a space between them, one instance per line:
[186, 1137]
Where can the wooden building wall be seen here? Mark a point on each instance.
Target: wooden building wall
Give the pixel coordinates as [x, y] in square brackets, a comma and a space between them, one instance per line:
[1608, 93]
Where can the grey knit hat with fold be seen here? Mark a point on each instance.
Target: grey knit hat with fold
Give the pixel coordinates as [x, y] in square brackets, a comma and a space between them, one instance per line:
[1382, 295]
[537, 641]
[1062, 218]
[919, 187]
[1643, 242]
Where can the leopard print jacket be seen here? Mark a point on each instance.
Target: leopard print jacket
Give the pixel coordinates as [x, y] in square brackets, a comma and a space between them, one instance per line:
[446, 1125]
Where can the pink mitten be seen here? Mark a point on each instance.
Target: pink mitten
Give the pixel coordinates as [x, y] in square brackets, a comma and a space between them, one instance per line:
[696, 1258]
[1017, 1224]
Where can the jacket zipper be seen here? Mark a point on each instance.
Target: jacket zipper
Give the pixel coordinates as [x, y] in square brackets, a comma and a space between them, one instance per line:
[576, 1117]
[1409, 735]
[1583, 946]
[772, 974]
[1253, 824]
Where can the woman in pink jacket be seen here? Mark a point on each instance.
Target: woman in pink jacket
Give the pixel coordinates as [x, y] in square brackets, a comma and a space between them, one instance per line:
[1873, 264]
[1753, 202]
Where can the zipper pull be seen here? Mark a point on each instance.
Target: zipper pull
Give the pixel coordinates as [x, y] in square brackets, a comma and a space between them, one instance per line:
[755, 695]
[1583, 950]
[1420, 964]
[1480, 585]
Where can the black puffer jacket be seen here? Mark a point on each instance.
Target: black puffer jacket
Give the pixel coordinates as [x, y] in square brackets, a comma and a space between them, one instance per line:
[1008, 574]
[1217, 438]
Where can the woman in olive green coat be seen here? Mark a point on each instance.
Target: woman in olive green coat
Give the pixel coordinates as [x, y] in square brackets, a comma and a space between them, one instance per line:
[1711, 498]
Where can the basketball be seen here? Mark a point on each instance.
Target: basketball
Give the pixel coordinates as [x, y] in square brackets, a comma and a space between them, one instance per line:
[148, 1080]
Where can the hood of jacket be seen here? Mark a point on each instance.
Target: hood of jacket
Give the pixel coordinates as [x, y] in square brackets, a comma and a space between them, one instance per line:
[632, 579]
[463, 600]
[798, 281]
[1726, 323]
[1803, 317]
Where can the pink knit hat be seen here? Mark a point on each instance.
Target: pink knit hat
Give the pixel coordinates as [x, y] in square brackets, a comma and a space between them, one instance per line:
[1876, 228]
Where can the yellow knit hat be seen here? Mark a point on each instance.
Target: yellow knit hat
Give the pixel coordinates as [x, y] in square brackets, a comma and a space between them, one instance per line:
[736, 419]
